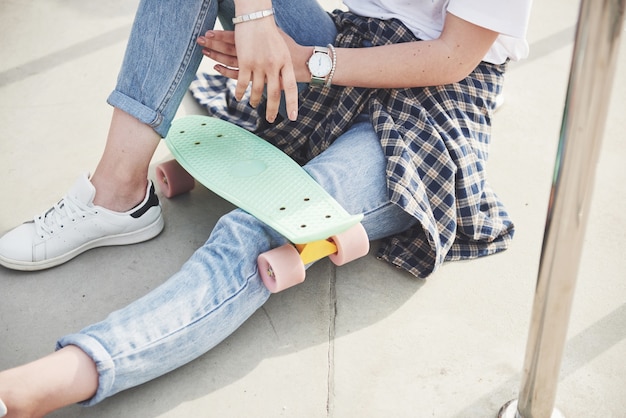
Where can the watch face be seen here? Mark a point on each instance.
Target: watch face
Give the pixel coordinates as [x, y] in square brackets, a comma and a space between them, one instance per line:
[320, 64]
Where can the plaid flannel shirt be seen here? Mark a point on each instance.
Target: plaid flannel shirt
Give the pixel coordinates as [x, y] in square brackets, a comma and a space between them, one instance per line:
[435, 140]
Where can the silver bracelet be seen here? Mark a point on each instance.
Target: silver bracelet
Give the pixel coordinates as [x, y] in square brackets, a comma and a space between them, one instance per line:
[332, 70]
[253, 16]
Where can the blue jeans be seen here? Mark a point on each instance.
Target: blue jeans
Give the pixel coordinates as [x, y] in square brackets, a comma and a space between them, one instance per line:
[219, 287]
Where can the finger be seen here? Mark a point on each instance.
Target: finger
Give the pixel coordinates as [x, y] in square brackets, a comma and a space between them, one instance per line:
[227, 36]
[225, 59]
[220, 46]
[217, 36]
[243, 80]
[273, 99]
[258, 85]
[288, 79]
[226, 71]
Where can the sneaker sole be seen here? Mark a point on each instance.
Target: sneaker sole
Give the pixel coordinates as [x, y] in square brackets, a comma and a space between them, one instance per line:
[134, 237]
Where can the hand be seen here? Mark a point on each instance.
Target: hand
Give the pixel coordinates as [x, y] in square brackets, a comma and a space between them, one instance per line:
[259, 59]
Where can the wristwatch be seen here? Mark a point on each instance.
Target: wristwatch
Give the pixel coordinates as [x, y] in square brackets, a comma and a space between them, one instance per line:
[320, 64]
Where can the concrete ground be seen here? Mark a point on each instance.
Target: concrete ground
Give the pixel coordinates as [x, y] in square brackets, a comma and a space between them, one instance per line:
[363, 340]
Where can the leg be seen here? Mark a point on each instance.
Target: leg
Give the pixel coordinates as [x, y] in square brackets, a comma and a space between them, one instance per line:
[214, 292]
[219, 287]
[118, 206]
[161, 60]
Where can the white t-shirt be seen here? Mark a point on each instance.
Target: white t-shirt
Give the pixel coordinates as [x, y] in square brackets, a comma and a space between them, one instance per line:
[425, 18]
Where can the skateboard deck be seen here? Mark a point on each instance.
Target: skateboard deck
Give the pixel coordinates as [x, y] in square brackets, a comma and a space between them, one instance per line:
[256, 176]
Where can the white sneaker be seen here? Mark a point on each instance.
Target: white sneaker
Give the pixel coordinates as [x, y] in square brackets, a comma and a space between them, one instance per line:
[75, 225]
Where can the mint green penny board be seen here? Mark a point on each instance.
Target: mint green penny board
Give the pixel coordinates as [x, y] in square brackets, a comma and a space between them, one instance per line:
[257, 177]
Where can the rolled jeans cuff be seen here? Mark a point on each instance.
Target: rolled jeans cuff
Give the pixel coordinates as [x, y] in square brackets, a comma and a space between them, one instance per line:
[140, 112]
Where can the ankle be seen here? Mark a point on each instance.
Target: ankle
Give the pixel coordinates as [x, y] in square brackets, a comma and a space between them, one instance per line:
[15, 396]
[119, 195]
[62, 378]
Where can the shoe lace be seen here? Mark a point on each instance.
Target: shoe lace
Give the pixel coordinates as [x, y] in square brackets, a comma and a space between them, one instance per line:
[66, 210]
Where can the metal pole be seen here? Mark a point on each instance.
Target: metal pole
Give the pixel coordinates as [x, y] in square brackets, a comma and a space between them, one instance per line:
[591, 77]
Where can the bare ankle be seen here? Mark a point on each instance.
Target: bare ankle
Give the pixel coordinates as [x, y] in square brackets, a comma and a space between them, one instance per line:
[121, 175]
[118, 195]
[14, 395]
[62, 378]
